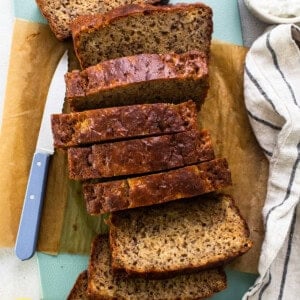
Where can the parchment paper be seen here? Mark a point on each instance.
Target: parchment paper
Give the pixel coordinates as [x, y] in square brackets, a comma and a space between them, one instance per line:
[34, 56]
[65, 225]
[224, 113]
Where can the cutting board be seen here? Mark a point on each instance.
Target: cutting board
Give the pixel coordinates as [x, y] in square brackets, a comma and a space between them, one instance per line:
[58, 273]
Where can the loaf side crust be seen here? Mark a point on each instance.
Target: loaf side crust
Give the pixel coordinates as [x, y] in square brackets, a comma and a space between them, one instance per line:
[156, 188]
[108, 82]
[118, 123]
[140, 156]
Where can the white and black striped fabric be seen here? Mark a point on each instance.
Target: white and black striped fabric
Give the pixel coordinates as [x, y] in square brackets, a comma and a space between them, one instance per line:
[272, 97]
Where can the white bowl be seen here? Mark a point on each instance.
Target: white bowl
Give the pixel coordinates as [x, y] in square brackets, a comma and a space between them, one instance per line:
[268, 18]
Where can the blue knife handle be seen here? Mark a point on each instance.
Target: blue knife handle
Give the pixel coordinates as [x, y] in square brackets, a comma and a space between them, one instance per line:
[32, 207]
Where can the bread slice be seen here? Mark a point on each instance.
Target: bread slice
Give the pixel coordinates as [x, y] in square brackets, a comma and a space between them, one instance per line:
[136, 29]
[143, 78]
[116, 123]
[156, 188]
[60, 13]
[103, 285]
[139, 156]
[164, 240]
[79, 290]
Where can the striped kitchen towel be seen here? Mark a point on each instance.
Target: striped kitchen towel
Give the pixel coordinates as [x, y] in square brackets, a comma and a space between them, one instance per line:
[272, 97]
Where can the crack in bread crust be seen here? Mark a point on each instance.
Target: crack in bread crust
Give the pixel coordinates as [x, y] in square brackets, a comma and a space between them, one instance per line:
[117, 123]
[157, 188]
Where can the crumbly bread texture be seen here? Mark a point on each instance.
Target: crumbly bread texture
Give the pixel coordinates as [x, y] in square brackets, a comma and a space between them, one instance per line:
[189, 235]
[143, 78]
[139, 156]
[116, 123]
[156, 188]
[136, 29]
[60, 13]
[103, 285]
[79, 290]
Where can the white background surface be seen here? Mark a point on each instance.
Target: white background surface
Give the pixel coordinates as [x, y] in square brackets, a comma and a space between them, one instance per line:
[18, 280]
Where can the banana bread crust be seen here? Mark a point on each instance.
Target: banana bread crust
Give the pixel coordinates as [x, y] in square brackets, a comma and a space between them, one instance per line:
[111, 83]
[122, 122]
[156, 188]
[90, 23]
[140, 155]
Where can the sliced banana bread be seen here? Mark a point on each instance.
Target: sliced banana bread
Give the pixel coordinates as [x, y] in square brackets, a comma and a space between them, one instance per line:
[59, 13]
[156, 188]
[163, 240]
[122, 122]
[140, 155]
[103, 285]
[136, 29]
[143, 78]
[79, 290]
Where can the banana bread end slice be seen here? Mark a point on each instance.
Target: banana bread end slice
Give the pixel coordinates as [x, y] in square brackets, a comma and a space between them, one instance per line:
[144, 78]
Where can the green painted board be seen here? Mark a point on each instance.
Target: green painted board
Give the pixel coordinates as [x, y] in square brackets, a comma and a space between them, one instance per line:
[58, 274]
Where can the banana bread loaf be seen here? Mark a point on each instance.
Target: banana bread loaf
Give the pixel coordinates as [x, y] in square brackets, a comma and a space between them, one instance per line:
[79, 290]
[136, 29]
[164, 240]
[59, 13]
[103, 285]
[143, 78]
[156, 188]
[140, 155]
[122, 122]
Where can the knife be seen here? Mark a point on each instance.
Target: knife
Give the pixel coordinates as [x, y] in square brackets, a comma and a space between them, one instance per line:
[33, 201]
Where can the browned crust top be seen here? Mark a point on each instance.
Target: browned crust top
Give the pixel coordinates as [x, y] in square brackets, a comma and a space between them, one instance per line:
[142, 67]
[89, 23]
[156, 188]
[138, 156]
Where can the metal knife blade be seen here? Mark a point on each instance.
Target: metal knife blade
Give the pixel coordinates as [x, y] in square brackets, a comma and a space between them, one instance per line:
[33, 201]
